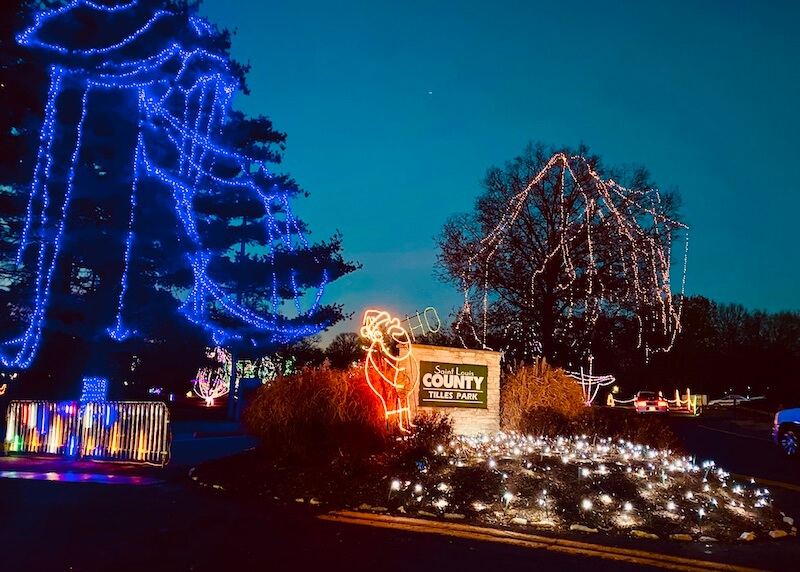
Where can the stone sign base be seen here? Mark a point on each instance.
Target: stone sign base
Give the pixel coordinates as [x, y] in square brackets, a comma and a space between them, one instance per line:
[452, 382]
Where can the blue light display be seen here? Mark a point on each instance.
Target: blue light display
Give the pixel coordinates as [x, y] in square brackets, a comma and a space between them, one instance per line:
[183, 100]
[95, 389]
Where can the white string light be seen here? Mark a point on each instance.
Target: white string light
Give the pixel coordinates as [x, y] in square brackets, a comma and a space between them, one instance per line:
[642, 253]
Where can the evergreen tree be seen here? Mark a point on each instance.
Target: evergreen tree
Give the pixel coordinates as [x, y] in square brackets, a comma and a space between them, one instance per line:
[152, 216]
[23, 92]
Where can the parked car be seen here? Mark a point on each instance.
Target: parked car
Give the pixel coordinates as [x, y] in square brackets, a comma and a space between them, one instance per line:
[786, 431]
[733, 399]
[650, 402]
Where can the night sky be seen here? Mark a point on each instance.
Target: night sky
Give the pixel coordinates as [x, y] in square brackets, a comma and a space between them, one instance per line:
[394, 112]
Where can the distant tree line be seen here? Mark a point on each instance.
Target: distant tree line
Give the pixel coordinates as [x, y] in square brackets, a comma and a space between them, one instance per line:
[721, 348]
[725, 347]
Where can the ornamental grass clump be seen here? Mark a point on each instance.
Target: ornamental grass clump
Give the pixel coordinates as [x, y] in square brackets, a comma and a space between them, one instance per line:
[317, 415]
[539, 388]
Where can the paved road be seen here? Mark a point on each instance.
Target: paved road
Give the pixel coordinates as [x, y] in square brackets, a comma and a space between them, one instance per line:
[174, 525]
[740, 442]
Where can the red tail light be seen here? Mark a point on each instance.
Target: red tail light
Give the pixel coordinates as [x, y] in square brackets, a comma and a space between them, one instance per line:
[662, 403]
[641, 404]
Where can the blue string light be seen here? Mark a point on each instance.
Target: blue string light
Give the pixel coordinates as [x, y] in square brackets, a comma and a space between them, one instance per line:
[94, 389]
[186, 109]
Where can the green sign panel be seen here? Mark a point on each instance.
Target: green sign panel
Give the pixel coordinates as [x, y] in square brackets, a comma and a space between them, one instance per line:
[452, 385]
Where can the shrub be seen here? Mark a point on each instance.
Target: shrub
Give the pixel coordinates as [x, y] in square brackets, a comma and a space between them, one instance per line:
[538, 386]
[430, 431]
[543, 421]
[610, 422]
[318, 414]
[626, 424]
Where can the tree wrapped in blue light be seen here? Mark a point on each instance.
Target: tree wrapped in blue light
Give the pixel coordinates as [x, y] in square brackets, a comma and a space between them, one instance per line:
[138, 119]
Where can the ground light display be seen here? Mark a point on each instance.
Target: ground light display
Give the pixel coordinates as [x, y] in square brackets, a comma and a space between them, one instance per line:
[180, 93]
[686, 402]
[584, 484]
[210, 385]
[591, 384]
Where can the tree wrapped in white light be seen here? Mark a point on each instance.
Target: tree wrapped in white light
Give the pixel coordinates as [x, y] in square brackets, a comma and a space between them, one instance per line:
[557, 254]
[210, 384]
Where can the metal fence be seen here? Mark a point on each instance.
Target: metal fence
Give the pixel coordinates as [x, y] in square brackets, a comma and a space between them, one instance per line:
[130, 431]
[42, 427]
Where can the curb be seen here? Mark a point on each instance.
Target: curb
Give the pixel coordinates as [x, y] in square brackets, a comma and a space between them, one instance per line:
[507, 536]
[573, 547]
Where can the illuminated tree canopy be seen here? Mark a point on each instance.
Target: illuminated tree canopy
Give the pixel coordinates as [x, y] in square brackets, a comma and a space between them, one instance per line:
[554, 244]
[150, 199]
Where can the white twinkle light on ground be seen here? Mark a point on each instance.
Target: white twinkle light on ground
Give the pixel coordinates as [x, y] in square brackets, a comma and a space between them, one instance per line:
[668, 488]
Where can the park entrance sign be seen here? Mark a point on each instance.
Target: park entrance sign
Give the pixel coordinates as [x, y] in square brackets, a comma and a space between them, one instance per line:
[461, 383]
[452, 385]
[412, 379]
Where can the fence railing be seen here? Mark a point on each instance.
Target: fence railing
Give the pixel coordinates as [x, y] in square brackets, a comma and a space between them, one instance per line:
[42, 427]
[130, 431]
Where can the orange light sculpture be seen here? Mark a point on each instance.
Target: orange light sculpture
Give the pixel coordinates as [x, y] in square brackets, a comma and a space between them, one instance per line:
[386, 365]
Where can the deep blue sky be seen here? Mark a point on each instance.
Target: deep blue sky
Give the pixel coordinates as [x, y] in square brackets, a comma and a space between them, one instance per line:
[394, 111]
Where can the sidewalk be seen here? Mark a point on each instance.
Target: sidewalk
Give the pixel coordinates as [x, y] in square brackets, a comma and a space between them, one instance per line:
[192, 443]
